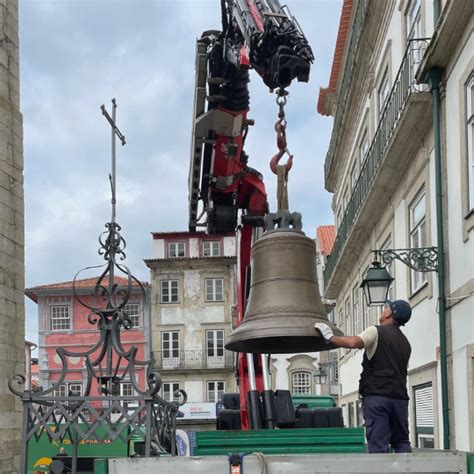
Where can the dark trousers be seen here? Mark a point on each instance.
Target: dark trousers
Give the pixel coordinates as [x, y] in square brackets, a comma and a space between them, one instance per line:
[386, 424]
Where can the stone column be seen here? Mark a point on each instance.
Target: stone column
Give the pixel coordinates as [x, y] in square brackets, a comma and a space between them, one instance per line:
[12, 270]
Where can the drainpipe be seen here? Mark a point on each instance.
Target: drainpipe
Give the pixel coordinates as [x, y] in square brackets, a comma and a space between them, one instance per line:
[434, 80]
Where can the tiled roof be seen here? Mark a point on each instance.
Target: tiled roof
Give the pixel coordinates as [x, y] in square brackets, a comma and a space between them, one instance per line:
[337, 58]
[84, 283]
[326, 235]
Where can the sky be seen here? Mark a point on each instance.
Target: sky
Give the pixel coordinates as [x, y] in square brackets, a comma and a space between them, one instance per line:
[76, 55]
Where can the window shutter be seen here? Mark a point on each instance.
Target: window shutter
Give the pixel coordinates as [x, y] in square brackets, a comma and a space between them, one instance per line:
[424, 407]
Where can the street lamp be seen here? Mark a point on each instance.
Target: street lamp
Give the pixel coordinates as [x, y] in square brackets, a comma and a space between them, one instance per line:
[422, 259]
[320, 376]
[376, 284]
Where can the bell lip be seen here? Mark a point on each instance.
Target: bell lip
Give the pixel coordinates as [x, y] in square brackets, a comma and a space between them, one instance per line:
[253, 340]
[279, 345]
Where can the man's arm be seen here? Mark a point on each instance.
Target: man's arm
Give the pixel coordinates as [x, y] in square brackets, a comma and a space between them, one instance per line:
[350, 342]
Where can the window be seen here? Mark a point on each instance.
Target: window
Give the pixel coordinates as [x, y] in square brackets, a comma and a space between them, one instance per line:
[169, 390]
[413, 19]
[169, 291]
[69, 389]
[176, 249]
[413, 25]
[214, 289]
[170, 349]
[339, 218]
[60, 391]
[359, 413]
[60, 318]
[384, 91]
[390, 268]
[132, 310]
[340, 320]
[354, 175]
[215, 347]
[363, 148]
[347, 320]
[75, 389]
[470, 140]
[417, 212]
[211, 248]
[355, 309]
[350, 409]
[126, 389]
[365, 309]
[424, 416]
[301, 383]
[215, 390]
[345, 198]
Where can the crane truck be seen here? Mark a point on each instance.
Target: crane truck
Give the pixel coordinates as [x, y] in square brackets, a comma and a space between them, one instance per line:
[264, 36]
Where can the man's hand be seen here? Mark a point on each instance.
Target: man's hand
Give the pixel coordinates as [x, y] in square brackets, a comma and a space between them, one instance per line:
[325, 331]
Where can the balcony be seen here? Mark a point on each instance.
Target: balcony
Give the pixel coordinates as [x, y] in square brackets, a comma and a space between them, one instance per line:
[357, 27]
[403, 119]
[194, 360]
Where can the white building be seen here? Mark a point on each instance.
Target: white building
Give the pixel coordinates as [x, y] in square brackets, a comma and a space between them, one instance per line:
[193, 295]
[382, 168]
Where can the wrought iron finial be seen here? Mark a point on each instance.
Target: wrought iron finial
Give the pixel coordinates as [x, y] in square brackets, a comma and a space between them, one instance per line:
[108, 364]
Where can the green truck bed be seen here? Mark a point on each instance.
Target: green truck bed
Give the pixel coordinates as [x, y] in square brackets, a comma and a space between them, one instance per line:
[284, 441]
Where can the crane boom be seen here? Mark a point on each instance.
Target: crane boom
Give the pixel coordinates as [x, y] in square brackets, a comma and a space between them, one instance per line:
[258, 34]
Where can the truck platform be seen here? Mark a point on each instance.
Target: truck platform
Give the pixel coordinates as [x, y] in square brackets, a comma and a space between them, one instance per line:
[446, 462]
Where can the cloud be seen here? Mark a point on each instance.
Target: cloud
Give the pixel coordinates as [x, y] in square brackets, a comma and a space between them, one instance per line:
[77, 55]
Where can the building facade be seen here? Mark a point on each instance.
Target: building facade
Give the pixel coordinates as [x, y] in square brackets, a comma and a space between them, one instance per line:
[63, 322]
[400, 165]
[192, 300]
[12, 237]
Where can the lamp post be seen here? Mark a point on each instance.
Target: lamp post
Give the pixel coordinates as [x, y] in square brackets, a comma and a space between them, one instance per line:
[423, 259]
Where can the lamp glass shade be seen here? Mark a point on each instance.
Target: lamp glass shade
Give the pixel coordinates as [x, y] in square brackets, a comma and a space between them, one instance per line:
[376, 284]
[320, 376]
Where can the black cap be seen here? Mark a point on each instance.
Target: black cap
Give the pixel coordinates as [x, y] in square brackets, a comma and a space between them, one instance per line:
[401, 311]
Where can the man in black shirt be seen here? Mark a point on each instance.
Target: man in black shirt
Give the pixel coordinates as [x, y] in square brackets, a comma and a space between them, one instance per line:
[383, 380]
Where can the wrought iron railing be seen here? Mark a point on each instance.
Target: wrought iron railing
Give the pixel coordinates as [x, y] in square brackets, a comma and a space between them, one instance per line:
[189, 360]
[357, 26]
[404, 85]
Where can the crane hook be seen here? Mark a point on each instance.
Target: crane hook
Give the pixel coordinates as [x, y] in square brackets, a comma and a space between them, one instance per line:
[280, 127]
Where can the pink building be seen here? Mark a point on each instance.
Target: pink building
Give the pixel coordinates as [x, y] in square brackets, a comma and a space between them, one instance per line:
[63, 322]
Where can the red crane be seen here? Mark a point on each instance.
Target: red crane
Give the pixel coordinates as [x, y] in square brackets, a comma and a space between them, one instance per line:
[258, 34]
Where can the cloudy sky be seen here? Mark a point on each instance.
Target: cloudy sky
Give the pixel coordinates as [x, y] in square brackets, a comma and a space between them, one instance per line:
[77, 55]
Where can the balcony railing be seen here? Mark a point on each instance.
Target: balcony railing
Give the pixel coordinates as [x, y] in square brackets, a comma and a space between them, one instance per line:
[404, 85]
[190, 360]
[357, 26]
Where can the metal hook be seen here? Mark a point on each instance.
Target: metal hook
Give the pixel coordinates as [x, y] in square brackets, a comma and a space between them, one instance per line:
[280, 126]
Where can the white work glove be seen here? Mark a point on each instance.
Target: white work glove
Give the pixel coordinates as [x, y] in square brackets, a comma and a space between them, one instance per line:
[325, 331]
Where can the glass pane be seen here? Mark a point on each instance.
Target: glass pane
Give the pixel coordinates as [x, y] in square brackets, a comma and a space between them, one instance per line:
[418, 211]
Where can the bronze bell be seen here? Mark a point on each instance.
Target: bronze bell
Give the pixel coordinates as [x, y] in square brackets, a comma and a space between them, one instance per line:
[284, 301]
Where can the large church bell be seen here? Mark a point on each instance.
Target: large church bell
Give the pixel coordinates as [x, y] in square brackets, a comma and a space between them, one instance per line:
[284, 301]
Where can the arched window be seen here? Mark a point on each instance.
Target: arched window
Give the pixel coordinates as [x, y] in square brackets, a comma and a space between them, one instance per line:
[301, 383]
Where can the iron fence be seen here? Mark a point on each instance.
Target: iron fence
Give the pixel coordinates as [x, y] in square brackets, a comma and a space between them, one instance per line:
[404, 86]
[190, 360]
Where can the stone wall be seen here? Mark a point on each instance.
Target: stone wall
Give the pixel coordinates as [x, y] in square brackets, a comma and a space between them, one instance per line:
[12, 327]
